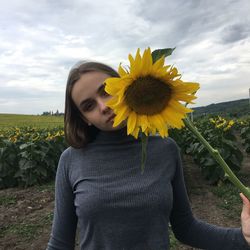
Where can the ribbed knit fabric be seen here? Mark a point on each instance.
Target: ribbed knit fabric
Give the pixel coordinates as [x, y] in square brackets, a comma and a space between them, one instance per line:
[116, 207]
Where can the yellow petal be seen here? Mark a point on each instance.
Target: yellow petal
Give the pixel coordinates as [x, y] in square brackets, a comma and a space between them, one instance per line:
[143, 122]
[157, 122]
[184, 97]
[172, 118]
[159, 64]
[131, 122]
[131, 60]
[136, 70]
[174, 72]
[186, 87]
[135, 132]
[179, 107]
[121, 116]
[112, 102]
[112, 85]
[163, 132]
[146, 62]
[121, 71]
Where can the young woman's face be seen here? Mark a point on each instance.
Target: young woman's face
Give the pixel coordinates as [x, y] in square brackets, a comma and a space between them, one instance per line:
[89, 96]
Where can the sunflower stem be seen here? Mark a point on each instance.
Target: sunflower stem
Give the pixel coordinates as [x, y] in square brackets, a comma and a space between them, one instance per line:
[216, 155]
[144, 142]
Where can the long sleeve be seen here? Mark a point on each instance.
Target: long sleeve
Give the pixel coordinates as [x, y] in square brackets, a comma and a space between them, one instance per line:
[65, 220]
[197, 233]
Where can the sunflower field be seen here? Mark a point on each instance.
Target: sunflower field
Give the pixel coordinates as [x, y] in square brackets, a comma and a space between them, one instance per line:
[244, 128]
[29, 155]
[221, 133]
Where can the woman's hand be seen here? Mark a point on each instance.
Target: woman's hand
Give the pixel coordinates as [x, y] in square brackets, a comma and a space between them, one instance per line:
[245, 217]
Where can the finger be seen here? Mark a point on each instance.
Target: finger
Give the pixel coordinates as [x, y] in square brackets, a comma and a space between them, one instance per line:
[245, 214]
[244, 199]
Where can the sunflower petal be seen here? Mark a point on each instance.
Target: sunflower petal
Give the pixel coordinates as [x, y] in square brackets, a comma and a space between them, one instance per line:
[131, 60]
[136, 69]
[131, 122]
[158, 123]
[179, 107]
[111, 102]
[143, 122]
[173, 118]
[121, 71]
[159, 63]
[135, 132]
[122, 115]
[183, 87]
[147, 62]
[184, 97]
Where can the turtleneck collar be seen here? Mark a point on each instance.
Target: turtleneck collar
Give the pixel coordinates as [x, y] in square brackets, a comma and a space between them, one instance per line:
[116, 136]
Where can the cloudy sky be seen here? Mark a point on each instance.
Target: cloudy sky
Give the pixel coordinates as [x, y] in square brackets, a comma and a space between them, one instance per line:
[41, 40]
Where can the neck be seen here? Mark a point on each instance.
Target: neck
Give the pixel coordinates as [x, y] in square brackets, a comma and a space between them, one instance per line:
[114, 136]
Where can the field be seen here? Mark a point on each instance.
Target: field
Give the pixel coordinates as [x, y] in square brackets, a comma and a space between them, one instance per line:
[9, 120]
[26, 213]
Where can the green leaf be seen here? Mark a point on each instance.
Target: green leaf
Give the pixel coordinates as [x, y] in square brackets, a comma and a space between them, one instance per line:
[209, 162]
[25, 145]
[158, 53]
[42, 171]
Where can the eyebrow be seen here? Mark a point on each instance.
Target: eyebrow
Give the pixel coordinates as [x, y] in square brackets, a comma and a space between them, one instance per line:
[98, 91]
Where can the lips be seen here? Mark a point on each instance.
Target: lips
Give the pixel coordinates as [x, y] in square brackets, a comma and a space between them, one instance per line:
[110, 118]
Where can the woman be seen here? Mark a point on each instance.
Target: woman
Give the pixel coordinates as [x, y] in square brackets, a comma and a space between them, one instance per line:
[99, 185]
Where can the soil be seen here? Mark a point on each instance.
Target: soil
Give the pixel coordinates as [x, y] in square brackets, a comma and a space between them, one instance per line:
[26, 216]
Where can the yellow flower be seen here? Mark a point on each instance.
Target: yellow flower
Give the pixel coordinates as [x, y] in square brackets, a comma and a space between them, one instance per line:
[229, 125]
[149, 96]
[212, 120]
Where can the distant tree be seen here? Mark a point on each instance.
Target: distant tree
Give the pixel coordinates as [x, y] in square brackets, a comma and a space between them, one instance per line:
[46, 113]
[57, 113]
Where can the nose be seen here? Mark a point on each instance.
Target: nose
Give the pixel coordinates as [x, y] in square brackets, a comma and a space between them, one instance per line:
[102, 106]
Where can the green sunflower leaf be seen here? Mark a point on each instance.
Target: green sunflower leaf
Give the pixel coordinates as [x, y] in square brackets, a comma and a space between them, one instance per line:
[158, 53]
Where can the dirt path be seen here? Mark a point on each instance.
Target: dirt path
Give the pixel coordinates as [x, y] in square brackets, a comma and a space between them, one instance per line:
[25, 214]
[203, 201]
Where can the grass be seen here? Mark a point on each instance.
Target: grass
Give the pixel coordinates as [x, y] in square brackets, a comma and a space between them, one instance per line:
[6, 200]
[50, 186]
[11, 120]
[27, 230]
[230, 200]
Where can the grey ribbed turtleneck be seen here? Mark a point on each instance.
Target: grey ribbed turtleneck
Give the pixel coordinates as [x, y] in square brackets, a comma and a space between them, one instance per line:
[117, 208]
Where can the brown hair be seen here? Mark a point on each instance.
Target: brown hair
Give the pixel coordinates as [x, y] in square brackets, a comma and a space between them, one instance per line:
[77, 132]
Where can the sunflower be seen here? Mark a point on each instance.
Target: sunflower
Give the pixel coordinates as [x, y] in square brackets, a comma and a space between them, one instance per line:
[148, 95]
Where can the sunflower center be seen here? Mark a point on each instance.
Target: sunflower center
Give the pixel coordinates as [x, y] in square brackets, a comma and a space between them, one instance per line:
[148, 95]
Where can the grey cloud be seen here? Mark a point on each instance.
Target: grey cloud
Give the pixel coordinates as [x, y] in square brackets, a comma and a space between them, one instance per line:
[184, 22]
[234, 33]
[18, 93]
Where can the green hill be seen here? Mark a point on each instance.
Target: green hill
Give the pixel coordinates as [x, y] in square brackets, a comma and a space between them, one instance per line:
[237, 108]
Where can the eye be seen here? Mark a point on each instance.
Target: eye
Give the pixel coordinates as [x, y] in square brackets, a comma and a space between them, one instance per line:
[88, 106]
[103, 92]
